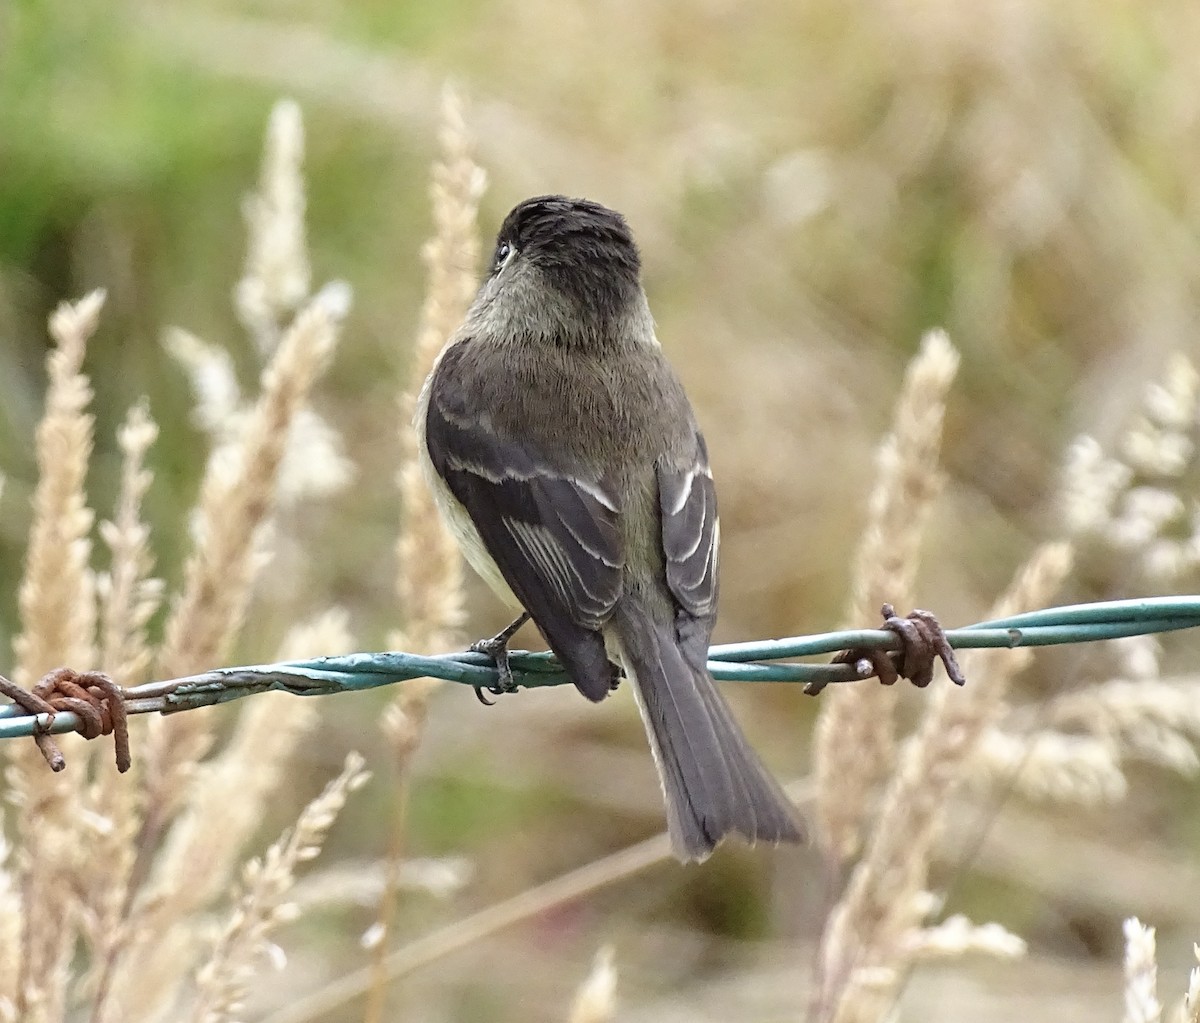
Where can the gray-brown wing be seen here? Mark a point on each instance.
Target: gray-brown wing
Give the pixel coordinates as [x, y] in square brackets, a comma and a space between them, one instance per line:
[554, 536]
[691, 532]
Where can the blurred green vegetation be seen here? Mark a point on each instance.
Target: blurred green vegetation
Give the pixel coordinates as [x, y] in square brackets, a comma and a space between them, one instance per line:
[813, 184]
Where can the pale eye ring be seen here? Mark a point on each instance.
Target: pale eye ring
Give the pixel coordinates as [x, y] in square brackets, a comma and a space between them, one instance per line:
[503, 251]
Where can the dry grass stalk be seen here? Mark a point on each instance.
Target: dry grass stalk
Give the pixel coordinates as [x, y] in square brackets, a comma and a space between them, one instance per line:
[277, 275]
[275, 283]
[235, 504]
[139, 949]
[233, 786]
[10, 934]
[236, 500]
[451, 938]
[596, 999]
[357, 882]
[854, 735]
[1189, 1010]
[58, 624]
[238, 496]
[429, 576]
[956, 936]
[244, 945]
[429, 580]
[195, 862]
[1142, 1004]
[1136, 502]
[1141, 974]
[56, 595]
[313, 463]
[864, 950]
[1046, 764]
[1136, 505]
[129, 596]
[1148, 720]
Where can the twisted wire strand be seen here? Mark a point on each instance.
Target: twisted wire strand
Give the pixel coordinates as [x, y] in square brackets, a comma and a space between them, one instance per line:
[733, 662]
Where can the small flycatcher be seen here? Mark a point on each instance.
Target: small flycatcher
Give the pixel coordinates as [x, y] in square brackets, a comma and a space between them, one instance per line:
[566, 459]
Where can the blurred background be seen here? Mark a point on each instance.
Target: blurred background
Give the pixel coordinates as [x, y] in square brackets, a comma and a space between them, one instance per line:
[813, 185]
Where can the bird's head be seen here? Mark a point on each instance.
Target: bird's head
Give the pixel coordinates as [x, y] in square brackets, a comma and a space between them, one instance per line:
[566, 267]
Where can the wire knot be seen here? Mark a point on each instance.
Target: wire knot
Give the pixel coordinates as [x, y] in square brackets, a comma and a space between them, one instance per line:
[922, 642]
[94, 698]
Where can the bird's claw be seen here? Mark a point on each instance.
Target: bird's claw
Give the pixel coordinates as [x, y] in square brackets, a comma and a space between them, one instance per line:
[497, 649]
[479, 690]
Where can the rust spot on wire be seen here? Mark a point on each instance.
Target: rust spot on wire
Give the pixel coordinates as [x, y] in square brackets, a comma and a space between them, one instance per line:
[94, 698]
[923, 642]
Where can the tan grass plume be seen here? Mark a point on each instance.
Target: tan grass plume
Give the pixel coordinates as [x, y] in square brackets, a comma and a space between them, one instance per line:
[596, 999]
[1141, 974]
[429, 578]
[244, 944]
[868, 939]
[237, 499]
[128, 594]
[854, 739]
[57, 607]
[111, 810]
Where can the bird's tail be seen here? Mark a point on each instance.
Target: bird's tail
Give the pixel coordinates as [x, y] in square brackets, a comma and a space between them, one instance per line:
[714, 784]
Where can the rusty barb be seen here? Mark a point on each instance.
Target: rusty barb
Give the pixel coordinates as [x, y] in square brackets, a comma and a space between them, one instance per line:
[922, 642]
[94, 698]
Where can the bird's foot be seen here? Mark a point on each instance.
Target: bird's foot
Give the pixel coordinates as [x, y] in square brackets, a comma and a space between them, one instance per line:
[497, 649]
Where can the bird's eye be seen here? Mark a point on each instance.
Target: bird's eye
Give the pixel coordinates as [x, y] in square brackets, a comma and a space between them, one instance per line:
[503, 251]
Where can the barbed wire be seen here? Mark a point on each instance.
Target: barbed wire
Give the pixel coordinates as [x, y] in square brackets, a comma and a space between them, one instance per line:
[733, 662]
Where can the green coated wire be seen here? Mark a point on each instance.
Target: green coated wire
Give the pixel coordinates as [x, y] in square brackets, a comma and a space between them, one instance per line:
[736, 662]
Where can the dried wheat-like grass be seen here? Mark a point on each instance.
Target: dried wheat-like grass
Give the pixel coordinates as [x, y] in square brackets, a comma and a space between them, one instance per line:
[277, 275]
[128, 595]
[235, 504]
[10, 934]
[1045, 764]
[1074, 747]
[596, 999]
[429, 580]
[864, 950]
[1141, 974]
[56, 595]
[1134, 502]
[152, 944]
[352, 882]
[313, 464]
[58, 624]
[429, 576]
[854, 735]
[141, 936]
[1142, 1004]
[236, 499]
[244, 945]
[1189, 1009]
[198, 857]
[956, 936]
[110, 812]
[233, 786]
[1154, 721]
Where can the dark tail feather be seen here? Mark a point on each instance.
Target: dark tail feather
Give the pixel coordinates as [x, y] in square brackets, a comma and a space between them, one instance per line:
[713, 782]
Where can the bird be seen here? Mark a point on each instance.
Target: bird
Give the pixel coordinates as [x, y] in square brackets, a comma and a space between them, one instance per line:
[566, 460]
